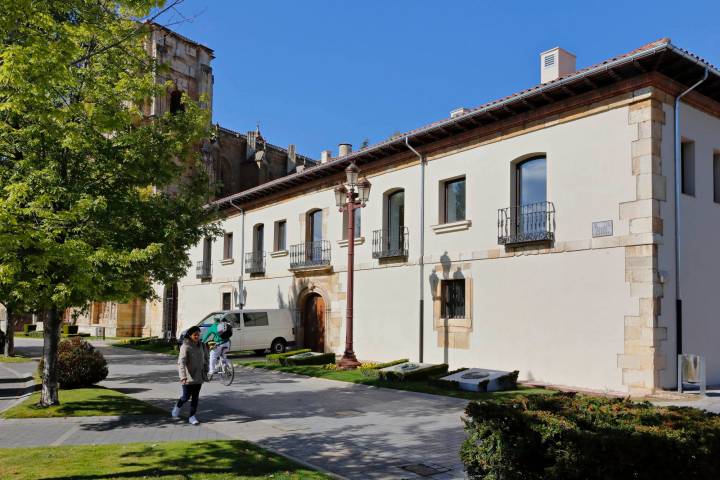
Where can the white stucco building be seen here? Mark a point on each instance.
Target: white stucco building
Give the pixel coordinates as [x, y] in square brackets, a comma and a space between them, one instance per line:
[545, 242]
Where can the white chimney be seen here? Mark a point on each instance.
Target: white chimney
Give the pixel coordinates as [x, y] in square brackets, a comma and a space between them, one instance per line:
[556, 63]
[459, 111]
[325, 155]
[344, 149]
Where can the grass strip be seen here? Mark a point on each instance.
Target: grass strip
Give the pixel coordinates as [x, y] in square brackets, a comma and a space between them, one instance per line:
[422, 386]
[216, 460]
[4, 359]
[83, 402]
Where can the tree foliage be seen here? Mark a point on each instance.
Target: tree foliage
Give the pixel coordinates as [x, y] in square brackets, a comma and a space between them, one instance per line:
[97, 201]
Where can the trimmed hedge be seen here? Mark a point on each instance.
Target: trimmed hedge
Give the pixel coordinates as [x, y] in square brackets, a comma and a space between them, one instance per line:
[372, 369]
[574, 437]
[69, 329]
[414, 374]
[274, 358]
[140, 341]
[79, 364]
[437, 380]
[322, 359]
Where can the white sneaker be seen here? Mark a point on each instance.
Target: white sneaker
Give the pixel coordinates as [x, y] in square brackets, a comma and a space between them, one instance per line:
[175, 412]
[193, 421]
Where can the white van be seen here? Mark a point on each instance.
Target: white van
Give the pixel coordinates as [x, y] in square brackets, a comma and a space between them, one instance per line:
[256, 330]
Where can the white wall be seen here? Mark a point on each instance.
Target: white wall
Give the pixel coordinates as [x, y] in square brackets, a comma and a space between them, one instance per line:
[558, 318]
[700, 236]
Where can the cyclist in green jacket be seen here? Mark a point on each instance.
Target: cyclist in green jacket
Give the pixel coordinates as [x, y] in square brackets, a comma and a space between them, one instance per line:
[220, 332]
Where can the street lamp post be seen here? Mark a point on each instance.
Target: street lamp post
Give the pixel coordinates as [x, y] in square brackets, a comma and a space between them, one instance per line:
[349, 197]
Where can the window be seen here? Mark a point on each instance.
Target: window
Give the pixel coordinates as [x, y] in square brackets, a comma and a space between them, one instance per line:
[256, 319]
[280, 235]
[687, 166]
[258, 237]
[314, 227]
[226, 300]
[453, 298]
[228, 246]
[453, 200]
[176, 104]
[356, 212]
[716, 178]
[395, 220]
[207, 251]
[530, 212]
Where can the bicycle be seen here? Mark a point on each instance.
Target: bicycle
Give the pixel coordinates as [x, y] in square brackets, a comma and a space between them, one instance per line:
[226, 373]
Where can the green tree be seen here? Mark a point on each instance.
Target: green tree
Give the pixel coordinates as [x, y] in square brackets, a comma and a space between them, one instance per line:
[97, 201]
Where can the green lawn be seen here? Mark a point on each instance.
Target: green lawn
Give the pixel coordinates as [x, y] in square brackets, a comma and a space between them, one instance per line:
[354, 376]
[158, 347]
[172, 460]
[83, 402]
[4, 359]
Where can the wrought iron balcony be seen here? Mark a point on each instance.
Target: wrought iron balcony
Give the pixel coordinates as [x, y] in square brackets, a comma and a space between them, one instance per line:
[390, 243]
[534, 222]
[255, 262]
[203, 270]
[310, 254]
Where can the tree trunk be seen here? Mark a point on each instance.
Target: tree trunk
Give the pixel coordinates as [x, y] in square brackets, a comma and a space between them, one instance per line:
[9, 349]
[51, 338]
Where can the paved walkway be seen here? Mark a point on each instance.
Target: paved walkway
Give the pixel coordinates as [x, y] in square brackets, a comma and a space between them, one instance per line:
[354, 431]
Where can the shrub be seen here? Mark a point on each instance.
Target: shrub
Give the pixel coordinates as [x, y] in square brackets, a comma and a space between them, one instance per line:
[274, 358]
[321, 359]
[29, 328]
[371, 369]
[420, 374]
[79, 364]
[69, 329]
[437, 381]
[139, 341]
[573, 437]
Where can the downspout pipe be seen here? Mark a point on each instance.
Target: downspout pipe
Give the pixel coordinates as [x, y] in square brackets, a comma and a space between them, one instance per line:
[241, 288]
[421, 320]
[678, 195]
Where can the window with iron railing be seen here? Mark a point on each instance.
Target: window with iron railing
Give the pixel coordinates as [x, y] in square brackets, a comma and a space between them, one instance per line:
[534, 222]
[452, 298]
[255, 262]
[203, 270]
[310, 254]
[389, 243]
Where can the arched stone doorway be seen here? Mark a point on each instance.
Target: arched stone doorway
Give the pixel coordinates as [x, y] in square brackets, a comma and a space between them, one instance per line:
[313, 322]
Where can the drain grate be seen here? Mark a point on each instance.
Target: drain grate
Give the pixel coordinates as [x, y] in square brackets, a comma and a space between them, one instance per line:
[425, 470]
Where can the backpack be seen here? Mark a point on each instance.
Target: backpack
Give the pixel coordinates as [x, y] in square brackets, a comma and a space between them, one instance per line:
[224, 330]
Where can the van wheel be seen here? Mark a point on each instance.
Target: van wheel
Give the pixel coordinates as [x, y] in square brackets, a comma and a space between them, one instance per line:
[260, 352]
[278, 345]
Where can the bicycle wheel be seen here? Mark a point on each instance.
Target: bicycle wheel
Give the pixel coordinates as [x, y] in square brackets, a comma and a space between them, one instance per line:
[227, 374]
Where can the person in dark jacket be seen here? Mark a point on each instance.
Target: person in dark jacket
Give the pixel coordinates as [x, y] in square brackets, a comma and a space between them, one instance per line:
[192, 367]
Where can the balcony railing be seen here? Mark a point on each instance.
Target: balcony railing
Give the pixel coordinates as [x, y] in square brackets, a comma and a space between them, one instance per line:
[534, 222]
[390, 243]
[255, 262]
[203, 270]
[310, 254]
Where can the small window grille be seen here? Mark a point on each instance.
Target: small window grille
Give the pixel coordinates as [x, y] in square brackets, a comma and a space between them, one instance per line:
[453, 299]
[549, 60]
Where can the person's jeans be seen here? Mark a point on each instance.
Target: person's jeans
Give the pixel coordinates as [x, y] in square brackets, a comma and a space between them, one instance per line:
[192, 393]
[218, 352]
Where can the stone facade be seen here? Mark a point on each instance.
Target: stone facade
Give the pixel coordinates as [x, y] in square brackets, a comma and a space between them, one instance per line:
[642, 358]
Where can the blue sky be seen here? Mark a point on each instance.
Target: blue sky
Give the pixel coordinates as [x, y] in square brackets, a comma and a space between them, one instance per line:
[321, 72]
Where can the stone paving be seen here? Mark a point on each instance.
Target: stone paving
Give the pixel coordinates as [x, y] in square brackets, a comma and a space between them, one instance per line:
[352, 431]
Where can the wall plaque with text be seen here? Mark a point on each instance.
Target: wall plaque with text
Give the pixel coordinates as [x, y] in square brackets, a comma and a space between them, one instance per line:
[602, 229]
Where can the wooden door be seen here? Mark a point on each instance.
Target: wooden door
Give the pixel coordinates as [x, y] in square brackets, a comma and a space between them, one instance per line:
[314, 323]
